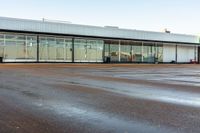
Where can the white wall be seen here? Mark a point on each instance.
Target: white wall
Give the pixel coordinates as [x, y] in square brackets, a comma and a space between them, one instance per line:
[169, 53]
[185, 53]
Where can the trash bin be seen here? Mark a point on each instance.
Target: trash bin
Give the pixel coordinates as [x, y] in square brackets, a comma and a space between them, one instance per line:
[1, 59]
[173, 62]
[107, 60]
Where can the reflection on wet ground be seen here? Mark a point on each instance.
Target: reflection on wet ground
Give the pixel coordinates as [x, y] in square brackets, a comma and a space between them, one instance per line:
[100, 98]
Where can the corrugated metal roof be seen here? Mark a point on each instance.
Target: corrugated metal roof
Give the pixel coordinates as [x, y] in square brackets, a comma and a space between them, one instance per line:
[84, 30]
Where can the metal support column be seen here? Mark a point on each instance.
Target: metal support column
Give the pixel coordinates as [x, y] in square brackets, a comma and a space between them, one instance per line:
[4, 46]
[131, 52]
[26, 52]
[38, 48]
[73, 60]
[198, 53]
[195, 53]
[176, 54]
[119, 51]
[142, 50]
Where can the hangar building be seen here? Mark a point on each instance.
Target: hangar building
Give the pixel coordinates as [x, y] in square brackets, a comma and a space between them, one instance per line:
[51, 41]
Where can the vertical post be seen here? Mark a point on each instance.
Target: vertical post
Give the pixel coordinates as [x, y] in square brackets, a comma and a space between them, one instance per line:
[86, 50]
[109, 53]
[176, 54]
[155, 53]
[26, 54]
[38, 48]
[109, 50]
[152, 54]
[195, 53]
[119, 50]
[64, 50]
[47, 48]
[4, 46]
[103, 54]
[142, 51]
[73, 60]
[198, 53]
[131, 52]
[56, 49]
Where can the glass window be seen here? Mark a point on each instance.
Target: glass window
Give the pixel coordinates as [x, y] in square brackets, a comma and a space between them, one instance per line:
[51, 48]
[68, 49]
[137, 51]
[100, 48]
[31, 42]
[80, 48]
[87, 50]
[1, 39]
[114, 51]
[126, 51]
[48, 48]
[130, 51]
[159, 52]
[55, 49]
[60, 48]
[43, 49]
[10, 48]
[20, 47]
[148, 52]
[1, 45]
[63, 49]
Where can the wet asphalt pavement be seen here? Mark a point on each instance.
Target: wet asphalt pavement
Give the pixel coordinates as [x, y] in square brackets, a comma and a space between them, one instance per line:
[83, 98]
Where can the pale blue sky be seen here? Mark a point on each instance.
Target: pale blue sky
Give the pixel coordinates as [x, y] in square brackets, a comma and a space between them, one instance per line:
[179, 16]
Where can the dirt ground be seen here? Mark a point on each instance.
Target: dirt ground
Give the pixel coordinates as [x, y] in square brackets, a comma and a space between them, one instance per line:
[99, 98]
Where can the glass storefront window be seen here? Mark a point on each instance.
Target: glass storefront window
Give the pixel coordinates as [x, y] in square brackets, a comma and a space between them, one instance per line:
[68, 49]
[1, 37]
[129, 51]
[20, 47]
[51, 48]
[91, 50]
[100, 49]
[17, 47]
[10, 48]
[55, 49]
[148, 52]
[43, 49]
[60, 49]
[88, 50]
[23, 47]
[1, 45]
[159, 52]
[80, 48]
[106, 51]
[114, 51]
[137, 51]
[126, 51]
[31, 52]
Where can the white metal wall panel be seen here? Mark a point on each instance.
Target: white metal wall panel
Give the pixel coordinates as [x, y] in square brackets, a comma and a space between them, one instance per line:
[74, 29]
[185, 53]
[169, 53]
